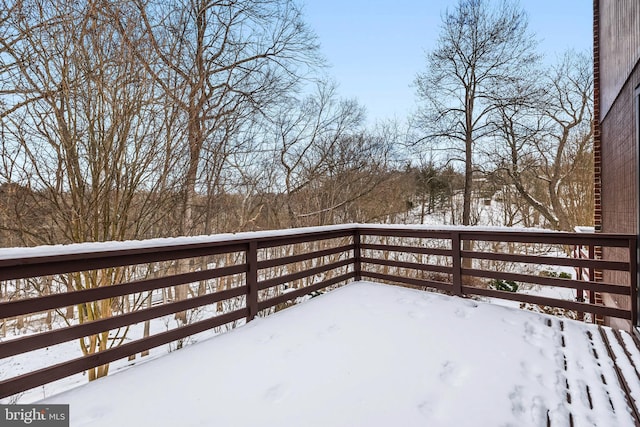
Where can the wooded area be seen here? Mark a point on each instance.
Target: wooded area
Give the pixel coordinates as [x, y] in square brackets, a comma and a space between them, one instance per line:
[143, 119]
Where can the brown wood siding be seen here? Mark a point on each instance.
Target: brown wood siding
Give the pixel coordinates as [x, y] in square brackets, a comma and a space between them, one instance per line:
[619, 180]
[619, 26]
[616, 75]
[619, 162]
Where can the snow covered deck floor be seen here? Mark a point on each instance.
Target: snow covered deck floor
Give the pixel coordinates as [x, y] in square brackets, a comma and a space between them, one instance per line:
[376, 355]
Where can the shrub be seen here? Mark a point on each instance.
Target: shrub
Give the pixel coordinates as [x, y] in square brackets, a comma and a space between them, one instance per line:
[561, 275]
[504, 285]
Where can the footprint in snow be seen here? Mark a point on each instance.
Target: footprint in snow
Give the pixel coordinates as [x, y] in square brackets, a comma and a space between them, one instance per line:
[427, 297]
[525, 370]
[266, 338]
[461, 313]
[512, 321]
[426, 408]
[417, 314]
[517, 402]
[276, 393]
[451, 374]
[372, 308]
[332, 329]
[534, 335]
[423, 302]
[470, 303]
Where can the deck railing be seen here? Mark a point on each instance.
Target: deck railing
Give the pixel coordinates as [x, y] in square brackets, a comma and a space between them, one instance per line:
[230, 279]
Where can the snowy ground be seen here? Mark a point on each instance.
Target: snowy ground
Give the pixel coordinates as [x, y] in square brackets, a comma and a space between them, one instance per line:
[369, 355]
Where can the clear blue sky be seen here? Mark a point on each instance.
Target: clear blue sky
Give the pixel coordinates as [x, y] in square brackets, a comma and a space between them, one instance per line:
[376, 47]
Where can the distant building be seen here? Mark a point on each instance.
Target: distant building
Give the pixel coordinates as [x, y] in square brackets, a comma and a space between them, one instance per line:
[616, 46]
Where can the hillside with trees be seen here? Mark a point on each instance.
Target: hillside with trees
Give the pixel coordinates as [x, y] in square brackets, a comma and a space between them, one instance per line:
[139, 119]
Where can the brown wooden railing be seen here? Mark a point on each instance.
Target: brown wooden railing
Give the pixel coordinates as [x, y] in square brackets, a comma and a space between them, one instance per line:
[246, 275]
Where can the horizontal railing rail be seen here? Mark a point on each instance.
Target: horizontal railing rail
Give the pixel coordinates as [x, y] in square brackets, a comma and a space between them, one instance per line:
[463, 251]
[230, 279]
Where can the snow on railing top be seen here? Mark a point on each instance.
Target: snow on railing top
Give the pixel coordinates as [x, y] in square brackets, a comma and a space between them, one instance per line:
[584, 229]
[172, 242]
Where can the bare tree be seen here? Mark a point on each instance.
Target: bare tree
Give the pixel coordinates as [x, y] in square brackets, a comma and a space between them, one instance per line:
[545, 144]
[219, 62]
[83, 134]
[306, 133]
[82, 138]
[482, 47]
[350, 188]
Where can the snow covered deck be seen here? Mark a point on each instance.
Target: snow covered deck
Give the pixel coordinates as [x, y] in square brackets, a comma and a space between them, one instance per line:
[377, 355]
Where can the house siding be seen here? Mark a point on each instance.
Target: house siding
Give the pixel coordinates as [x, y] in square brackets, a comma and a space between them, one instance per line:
[619, 163]
[616, 76]
[619, 47]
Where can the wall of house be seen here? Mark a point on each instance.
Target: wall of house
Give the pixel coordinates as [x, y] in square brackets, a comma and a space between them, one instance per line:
[617, 56]
[619, 47]
[619, 162]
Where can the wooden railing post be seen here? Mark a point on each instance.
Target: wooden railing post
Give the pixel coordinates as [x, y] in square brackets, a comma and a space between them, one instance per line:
[592, 255]
[457, 263]
[633, 283]
[577, 253]
[592, 278]
[357, 264]
[252, 280]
